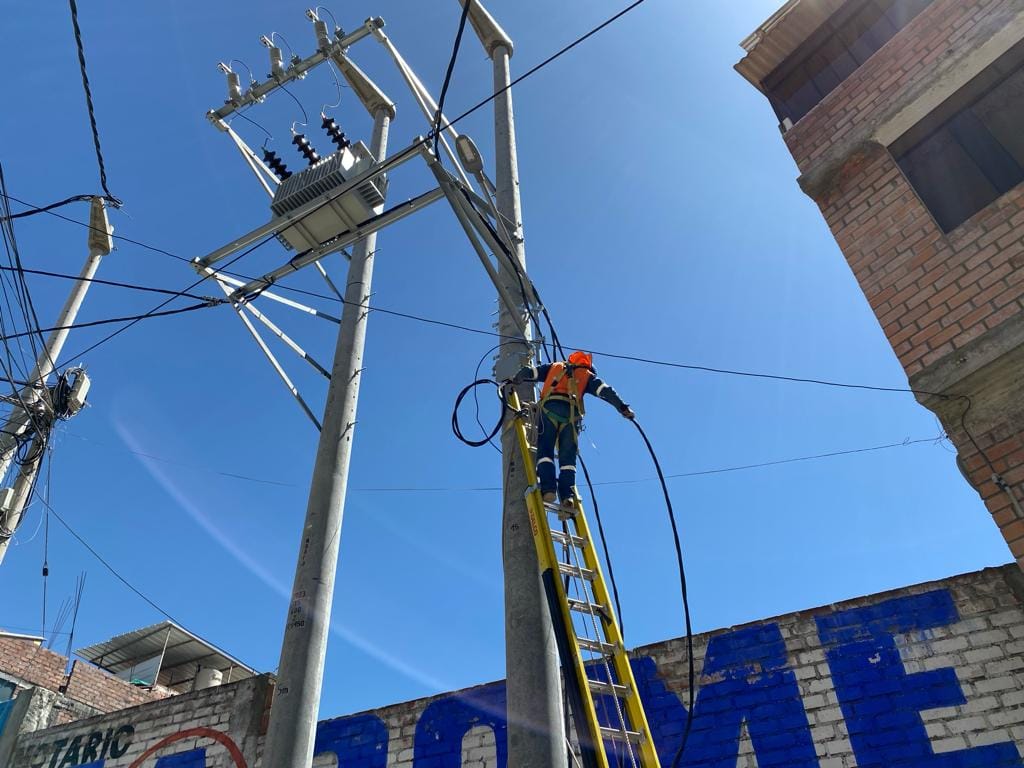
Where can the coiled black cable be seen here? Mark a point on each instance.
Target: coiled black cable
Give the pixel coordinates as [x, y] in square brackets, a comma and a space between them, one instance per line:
[456, 427]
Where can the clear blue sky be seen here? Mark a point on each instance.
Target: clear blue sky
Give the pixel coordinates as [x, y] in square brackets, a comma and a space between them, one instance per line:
[662, 220]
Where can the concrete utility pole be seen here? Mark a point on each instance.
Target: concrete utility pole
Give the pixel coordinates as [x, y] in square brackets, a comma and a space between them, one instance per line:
[13, 505]
[536, 726]
[293, 716]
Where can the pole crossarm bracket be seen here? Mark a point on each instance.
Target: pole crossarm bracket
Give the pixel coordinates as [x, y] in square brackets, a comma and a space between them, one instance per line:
[258, 91]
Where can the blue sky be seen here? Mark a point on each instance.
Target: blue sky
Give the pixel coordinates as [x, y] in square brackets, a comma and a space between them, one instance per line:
[662, 220]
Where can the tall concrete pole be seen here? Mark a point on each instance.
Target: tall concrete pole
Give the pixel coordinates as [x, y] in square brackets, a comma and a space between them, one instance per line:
[100, 244]
[536, 724]
[293, 716]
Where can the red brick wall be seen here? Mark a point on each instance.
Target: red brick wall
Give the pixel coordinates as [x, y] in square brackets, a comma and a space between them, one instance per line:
[92, 686]
[32, 663]
[86, 684]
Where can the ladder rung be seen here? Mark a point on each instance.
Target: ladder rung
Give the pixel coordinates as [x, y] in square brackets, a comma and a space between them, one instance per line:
[596, 646]
[571, 570]
[566, 538]
[600, 686]
[617, 734]
[584, 607]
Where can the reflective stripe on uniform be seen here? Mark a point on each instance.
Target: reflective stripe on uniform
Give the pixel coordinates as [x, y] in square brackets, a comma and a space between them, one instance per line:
[566, 468]
[601, 389]
[541, 461]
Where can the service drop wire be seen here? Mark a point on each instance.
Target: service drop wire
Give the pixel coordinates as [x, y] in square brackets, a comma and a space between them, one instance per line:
[676, 762]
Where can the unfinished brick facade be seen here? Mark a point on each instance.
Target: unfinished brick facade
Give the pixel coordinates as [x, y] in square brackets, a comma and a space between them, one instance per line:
[950, 303]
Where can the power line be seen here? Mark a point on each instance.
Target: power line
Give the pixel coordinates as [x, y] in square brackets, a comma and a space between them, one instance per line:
[106, 564]
[133, 318]
[448, 74]
[114, 283]
[601, 353]
[51, 206]
[91, 108]
[696, 473]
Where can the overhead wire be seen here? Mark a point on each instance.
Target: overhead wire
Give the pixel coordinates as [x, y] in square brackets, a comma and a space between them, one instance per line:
[114, 572]
[596, 351]
[100, 281]
[439, 114]
[90, 106]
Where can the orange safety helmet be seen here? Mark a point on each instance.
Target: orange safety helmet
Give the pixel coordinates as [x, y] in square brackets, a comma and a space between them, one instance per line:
[581, 358]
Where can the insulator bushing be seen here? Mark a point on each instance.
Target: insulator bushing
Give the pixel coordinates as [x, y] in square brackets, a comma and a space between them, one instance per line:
[276, 164]
[335, 132]
[305, 148]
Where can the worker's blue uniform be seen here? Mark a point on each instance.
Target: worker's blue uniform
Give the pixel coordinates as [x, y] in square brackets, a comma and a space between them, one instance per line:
[558, 426]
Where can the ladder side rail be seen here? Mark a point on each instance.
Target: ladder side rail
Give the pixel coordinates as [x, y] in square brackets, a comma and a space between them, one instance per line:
[623, 669]
[600, 630]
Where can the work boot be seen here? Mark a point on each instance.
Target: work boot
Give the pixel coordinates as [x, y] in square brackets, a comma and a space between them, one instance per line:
[549, 497]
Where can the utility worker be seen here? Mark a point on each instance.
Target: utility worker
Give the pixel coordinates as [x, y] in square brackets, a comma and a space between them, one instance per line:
[560, 416]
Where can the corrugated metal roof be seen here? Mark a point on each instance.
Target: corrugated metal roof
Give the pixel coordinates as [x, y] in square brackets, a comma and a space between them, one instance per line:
[780, 35]
[183, 649]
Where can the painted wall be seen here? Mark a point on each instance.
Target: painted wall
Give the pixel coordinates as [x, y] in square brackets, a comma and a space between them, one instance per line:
[927, 677]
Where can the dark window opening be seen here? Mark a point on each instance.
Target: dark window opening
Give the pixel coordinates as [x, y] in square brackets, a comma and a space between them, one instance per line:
[834, 52]
[970, 150]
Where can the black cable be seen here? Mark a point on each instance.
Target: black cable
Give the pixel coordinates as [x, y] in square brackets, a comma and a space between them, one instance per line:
[114, 283]
[448, 74]
[604, 545]
[457, 429]
[51, 206]
[682, 585]
[116, 574]
[92, 110]
[108, 321]
[558, 54]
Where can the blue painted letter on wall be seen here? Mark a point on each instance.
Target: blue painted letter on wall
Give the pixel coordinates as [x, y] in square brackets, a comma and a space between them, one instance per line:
[445, 722]
[746, 679]
[359, 741]
[881, 702]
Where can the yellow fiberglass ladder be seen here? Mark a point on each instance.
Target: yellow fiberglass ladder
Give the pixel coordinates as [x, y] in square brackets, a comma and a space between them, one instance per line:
[598, 676]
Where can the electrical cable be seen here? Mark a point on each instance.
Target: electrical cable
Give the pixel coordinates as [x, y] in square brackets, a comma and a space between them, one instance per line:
[99, 281]
[91, 108]
[448, 75]
[682, 585]
[604, 545]
[456, 428]
[52, 206]
[270, 136]
[595, 351]
[114, 572]
[132, 318]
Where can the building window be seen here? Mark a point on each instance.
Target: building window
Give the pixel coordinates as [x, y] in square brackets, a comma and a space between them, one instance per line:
[834, 51]
[970, 150]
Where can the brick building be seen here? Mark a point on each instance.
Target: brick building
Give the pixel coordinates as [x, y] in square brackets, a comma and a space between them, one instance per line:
[906, 120]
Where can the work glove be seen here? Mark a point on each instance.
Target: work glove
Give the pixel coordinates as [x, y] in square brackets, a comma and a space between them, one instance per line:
[627, 412]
